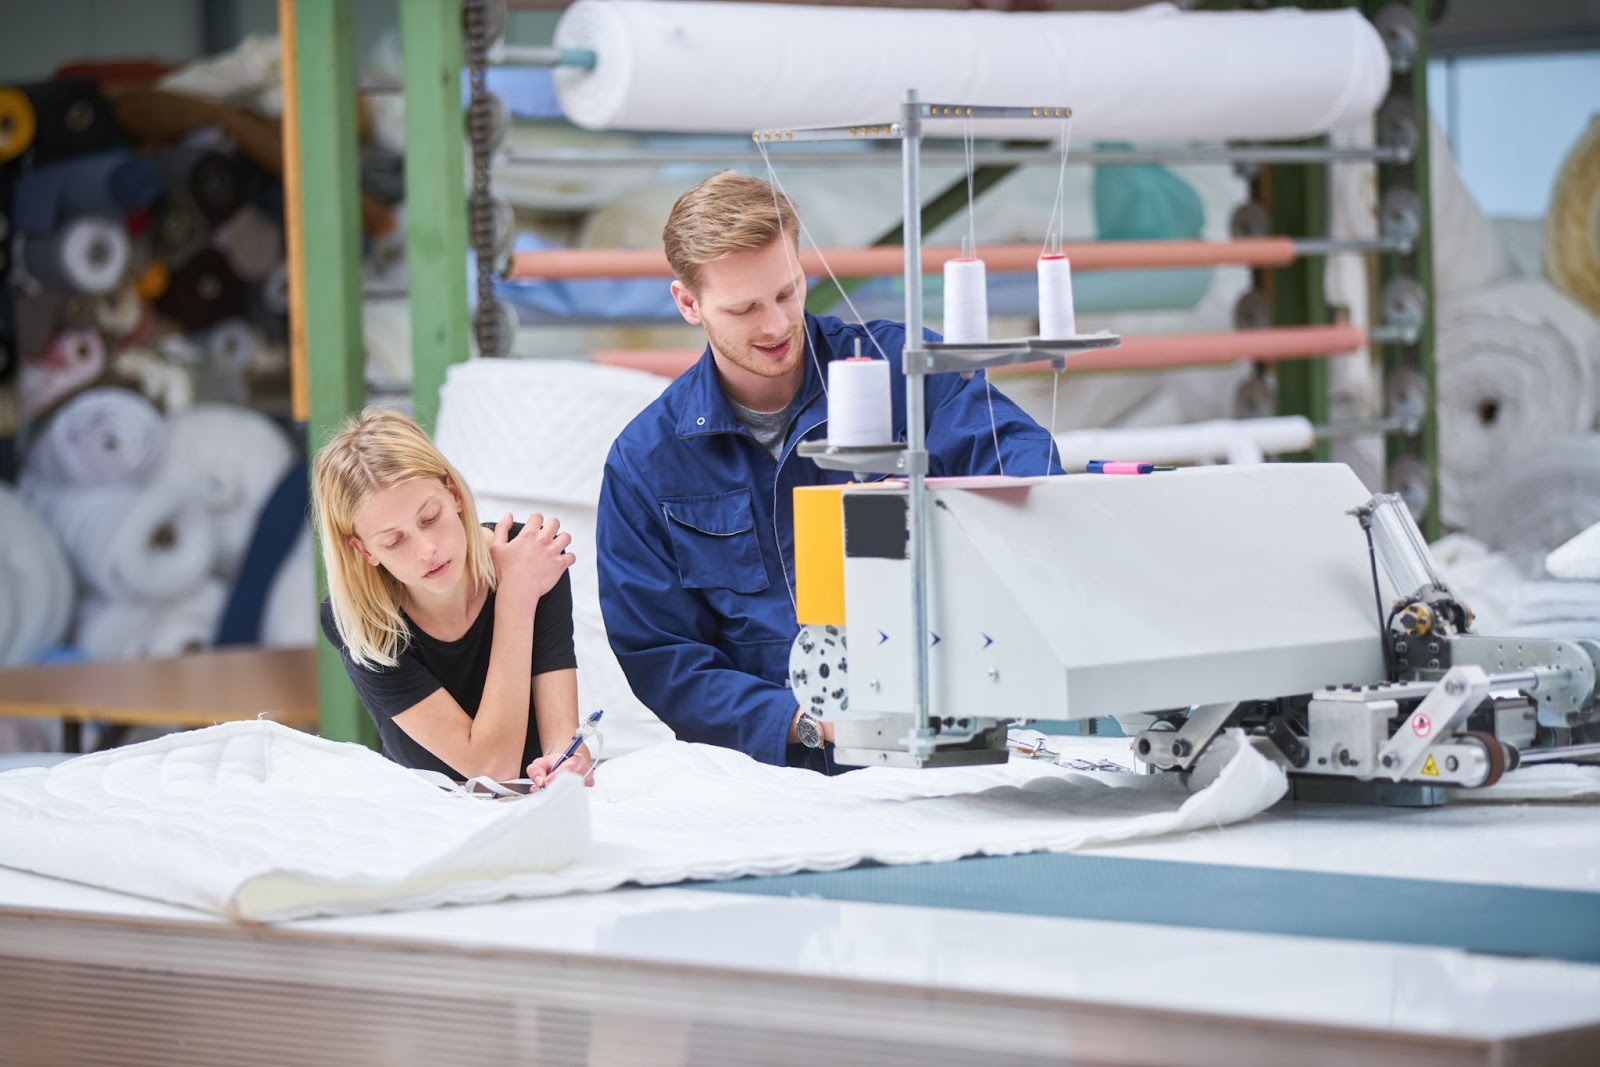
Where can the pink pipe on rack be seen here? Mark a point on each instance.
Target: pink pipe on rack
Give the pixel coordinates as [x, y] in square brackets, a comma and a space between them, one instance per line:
[889, 259]
[1150, 352]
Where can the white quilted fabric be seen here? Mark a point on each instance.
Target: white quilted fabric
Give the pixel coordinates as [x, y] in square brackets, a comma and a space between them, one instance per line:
[537, 429]
[1577, 559]
[259, 822]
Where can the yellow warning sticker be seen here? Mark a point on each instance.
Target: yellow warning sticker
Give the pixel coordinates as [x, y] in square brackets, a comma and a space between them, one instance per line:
[1430, 768]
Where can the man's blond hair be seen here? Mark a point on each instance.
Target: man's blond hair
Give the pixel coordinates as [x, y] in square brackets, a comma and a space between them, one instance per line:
[725, 215]
[373, 450]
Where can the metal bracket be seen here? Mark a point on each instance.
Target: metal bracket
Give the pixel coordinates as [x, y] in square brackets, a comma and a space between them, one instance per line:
[1178, 749]
[1441, 711]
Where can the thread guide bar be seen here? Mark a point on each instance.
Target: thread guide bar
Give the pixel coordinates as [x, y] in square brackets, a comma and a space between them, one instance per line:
[895, 130]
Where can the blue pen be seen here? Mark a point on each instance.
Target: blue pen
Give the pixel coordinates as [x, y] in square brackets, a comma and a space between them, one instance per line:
[577, 740]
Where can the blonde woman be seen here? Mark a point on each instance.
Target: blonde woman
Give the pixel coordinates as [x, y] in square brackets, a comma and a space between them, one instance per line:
[458, 637]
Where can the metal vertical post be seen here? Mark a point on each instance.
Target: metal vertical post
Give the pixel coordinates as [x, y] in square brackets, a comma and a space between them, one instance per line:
[436, 198]
[921, 740]
[1412, 84]
[322, 182]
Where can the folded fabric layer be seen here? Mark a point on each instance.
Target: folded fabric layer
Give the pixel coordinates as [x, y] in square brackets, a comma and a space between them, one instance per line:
[257, 821]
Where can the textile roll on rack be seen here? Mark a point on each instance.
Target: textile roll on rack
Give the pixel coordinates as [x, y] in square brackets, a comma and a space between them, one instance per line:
[228, 460]
[108, 184]
[1538, 497]
[203, 292]
[35, 583]
[1516, 368]
[87, 255]
[149, 542]
[1157, 73]
[1572, 225]
[102, 436]
[64, 117]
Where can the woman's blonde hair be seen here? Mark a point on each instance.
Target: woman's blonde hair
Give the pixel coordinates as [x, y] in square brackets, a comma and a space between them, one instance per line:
[373, 450]
[724, 215]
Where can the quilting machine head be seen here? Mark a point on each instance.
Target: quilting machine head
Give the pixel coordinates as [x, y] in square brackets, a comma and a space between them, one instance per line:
[1186, 603]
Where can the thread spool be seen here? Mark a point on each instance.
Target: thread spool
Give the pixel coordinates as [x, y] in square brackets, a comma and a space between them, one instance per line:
[88, 254]
[859, 408]
[966, 301]
[1057, 320]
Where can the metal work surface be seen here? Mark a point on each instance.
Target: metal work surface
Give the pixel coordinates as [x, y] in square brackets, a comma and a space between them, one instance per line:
[1505, 920]
[675, 975]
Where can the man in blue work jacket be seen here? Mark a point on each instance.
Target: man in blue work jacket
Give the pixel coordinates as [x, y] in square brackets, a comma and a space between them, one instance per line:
[695, 534]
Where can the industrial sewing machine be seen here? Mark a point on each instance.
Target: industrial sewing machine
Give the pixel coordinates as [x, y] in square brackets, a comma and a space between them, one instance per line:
[1279, 605]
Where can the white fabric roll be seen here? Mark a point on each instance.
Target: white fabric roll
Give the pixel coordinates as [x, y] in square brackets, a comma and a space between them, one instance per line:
[1152, 74]
[1539, 497]
[148, 542]
[36, 588]
[130, 629]
[1219, 440]
[532, 435]
[229, 460]
[102, 436]
[860, 410]
[1516, 368]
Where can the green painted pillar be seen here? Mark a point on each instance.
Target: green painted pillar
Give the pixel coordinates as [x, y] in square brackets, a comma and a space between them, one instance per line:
[436, 198]
[1297, 201]
[321, 130]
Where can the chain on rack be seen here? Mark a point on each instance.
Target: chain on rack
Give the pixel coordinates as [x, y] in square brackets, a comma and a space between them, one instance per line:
[490, 222]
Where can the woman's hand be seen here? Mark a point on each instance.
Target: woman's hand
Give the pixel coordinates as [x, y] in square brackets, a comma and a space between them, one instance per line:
[580, 764]
[529, 565]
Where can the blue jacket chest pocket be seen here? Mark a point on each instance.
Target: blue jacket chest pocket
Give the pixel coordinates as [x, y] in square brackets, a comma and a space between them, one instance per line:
[714, 541]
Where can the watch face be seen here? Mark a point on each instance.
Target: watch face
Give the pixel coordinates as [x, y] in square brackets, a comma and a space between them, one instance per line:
[809, 732]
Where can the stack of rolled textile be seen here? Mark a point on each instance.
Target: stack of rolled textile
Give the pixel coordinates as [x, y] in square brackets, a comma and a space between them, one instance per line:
[155, 514]
[35, 584]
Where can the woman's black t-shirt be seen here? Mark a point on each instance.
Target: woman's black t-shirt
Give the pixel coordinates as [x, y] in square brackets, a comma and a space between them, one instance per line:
[460, 667]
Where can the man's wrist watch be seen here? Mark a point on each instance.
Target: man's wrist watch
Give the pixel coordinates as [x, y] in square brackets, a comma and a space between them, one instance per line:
[808, 730]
